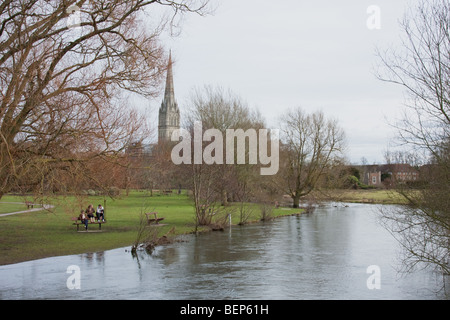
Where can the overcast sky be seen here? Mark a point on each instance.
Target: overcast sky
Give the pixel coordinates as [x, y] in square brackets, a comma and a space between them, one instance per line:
[277, 55]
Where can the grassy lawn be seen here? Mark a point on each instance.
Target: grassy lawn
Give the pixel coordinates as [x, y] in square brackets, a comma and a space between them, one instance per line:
[35, 235]
[11, 207]
[380, 196]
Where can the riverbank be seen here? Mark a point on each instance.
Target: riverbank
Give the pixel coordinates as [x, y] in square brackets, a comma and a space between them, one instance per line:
[34, 235]
[374, 196]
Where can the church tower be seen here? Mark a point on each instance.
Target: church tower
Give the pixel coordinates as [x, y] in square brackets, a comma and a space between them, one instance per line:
[169, 114]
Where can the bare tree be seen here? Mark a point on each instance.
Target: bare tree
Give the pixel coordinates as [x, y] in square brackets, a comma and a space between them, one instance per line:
[64, 66]
[311, 146]
[216, 108]
[422, 66]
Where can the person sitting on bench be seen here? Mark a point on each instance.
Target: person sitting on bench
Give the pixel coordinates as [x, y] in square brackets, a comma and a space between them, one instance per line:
[83, 219]
[100, 213]
[90, 212]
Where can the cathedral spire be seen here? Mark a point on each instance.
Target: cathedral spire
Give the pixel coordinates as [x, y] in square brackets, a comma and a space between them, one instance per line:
[169, 95]
[169, 114]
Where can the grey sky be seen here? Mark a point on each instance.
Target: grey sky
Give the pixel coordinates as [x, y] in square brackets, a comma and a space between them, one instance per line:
[287, 53]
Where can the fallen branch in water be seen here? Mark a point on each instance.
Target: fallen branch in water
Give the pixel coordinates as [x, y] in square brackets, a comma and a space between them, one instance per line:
[147, 237]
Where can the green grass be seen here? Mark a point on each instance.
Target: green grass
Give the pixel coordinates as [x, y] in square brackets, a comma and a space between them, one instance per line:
[379, 196]
[11, 207]
[35, 235]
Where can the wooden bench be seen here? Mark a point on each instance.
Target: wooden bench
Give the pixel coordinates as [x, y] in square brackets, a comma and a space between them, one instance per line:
[78, 223]
[155, 220]
[29, 204]
[167, 192]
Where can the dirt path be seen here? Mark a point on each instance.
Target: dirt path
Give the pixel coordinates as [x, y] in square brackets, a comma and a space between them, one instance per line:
[44, 207]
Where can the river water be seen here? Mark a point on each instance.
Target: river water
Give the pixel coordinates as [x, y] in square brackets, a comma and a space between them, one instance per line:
[333, 253]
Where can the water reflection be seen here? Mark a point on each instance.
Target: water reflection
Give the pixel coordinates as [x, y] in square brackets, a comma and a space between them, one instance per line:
[323, 255]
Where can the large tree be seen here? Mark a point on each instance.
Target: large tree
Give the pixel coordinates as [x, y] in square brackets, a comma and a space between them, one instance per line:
[421, 65]
[216, 183]
[311, 145]
[64, 66]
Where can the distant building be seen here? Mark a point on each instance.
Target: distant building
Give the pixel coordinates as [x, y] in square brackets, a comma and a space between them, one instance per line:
[371, 175]
[404, 172]
[139, 150]
[387, 174]
[374, 178]
[168, 121]
[169, 114]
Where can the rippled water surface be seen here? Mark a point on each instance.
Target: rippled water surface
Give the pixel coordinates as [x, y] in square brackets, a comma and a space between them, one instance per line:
[324, 255]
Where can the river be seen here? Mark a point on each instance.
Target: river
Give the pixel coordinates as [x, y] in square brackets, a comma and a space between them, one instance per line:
[333, 253]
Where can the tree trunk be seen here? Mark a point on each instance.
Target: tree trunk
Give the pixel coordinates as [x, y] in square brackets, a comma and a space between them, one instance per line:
[224, 198]
[296, 199]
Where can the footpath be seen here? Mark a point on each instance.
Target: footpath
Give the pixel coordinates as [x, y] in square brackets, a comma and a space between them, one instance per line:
[44, 207]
